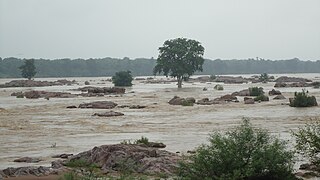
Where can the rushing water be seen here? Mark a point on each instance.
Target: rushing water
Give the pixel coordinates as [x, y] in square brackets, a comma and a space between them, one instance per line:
[28, 127]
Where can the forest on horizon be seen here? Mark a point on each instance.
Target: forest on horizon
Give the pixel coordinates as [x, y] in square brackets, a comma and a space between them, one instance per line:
[9, 67]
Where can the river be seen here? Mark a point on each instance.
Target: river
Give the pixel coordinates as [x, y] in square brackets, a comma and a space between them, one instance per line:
[29, 127]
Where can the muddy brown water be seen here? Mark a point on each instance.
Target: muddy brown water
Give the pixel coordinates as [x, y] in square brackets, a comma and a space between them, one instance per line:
[29, 127]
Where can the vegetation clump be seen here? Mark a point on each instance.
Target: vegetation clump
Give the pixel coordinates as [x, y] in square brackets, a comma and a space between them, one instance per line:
[261, 98]
[302, 99]
[122, 78]
[256, 91]
[28, 69]
[308, 141]
[264, 78]
[243, 153]
[218, 87]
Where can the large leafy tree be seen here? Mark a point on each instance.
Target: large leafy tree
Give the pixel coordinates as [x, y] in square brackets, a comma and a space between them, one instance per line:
[179, 58]
[28, 69]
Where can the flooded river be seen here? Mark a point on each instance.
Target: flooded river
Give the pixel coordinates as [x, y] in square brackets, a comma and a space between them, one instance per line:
[29, 127]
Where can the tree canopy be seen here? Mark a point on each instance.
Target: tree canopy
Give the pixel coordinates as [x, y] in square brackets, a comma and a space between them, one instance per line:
[122, 78]
[180, 58]
[28, 70]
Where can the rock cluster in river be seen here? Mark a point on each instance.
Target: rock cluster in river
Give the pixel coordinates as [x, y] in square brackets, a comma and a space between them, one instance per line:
[32, 83]
[99, 105]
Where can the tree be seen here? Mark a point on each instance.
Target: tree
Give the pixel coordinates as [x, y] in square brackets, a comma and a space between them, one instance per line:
[242, 153]
[302, 99]
[264, 77]
[179, 58]
[122, 78]
[28, 70]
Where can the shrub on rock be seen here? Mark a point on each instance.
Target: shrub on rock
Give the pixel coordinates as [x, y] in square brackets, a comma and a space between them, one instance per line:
[302, 99]
[122, 78]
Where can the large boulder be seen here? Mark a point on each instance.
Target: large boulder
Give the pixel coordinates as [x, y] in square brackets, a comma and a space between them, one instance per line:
[102, 90]
[99, 105]
[274, 92]
[32, 83]
[26, 171]
[248, 101]
[228, 98]
[139, 158]
[206, 101]
[176, 100]
[231, 80]
[279, 97]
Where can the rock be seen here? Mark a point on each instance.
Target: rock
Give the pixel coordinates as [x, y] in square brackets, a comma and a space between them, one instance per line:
[140, 79]
[206, 101]
[99, 105]
[279, 97]
[292, 79]
[228, 98]
[43, 94]
[296, 84]
[137, 107]
[32, 83]
[231, 80]
[71, 107]
[156, 145]
[27, 160]
[25, 171]
[140, 159]
[204, 89]
[57, 164]
[176, 101]
[274, 92]
[248, 101]
[108, 114]
[63, 156]
[102, 90]
[244, 92]
[86, 83]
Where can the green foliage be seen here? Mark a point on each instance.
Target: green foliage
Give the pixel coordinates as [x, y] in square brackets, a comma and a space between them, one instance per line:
[256, 91]
[213, 77]
[179, 58]
[78, 163]
[243, 153]
[142, 140]
[218, 87]
[187, 103]
[122, 78]
[261, 98]
[308, 141]
[28, 70]
[264, 77]
[302, 99]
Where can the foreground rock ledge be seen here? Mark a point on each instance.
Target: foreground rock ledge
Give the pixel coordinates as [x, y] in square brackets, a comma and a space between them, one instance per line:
[110, 158]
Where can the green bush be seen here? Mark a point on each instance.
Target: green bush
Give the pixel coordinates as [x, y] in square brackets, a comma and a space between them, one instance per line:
[187, 103]
[308, 141]
[213, 77]
[256, 91]
[261, 98]
[142, 140]
[243, 153]
[218, 87]
[264, 77]
[122, 78]
[302, 99]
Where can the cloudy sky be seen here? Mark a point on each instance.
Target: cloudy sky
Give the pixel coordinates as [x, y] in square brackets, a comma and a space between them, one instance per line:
[270, 29]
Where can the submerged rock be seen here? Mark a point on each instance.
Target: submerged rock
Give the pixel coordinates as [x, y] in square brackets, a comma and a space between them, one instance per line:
[99, 105]
[27, 160]
[274, 92]
[108, 114]
[278, 97]
[32, 83]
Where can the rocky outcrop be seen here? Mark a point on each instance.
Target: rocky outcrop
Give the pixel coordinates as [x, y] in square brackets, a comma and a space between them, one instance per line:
[176, 100]
[43, 94]
[27, 160]
[32, 83]
[248, 100]
[292, 79]
[132, 106]
[274, 92]
[26, 171]
[102, 90]
[244, 92]
[140, 159]
[228, 98]
[62, 156]
[295, 84]
[206, 101]
[231, 80]
[279, 97]
[108, 114]
[99, 105]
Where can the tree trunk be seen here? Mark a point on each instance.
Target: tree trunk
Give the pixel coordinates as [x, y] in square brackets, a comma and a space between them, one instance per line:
[179, 82]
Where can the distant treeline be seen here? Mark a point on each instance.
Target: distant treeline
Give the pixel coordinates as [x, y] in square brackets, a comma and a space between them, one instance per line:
[143, 67]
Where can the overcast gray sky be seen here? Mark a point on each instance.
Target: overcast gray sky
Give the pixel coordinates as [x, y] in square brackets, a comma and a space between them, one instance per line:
[270, 29]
